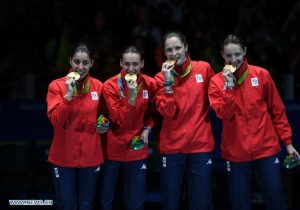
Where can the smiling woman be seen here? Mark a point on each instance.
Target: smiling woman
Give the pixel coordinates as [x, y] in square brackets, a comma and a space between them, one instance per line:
[254, 118]
[182, 101]
[128, 98]
[75, 155]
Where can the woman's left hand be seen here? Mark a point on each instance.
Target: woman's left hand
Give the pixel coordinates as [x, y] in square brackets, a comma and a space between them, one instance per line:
[145, 135]
[102, 130]
[291, 150]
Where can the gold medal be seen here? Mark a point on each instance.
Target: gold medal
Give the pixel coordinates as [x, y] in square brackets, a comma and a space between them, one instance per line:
[231, 68]
[74, 75]
[129, 77]
[170, 61]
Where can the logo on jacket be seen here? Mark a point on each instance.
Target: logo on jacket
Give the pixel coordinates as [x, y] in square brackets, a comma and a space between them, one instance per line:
[199, 78]
[209, 162]
[145, 94]
[144, 167]
[254, 82]
[228, 166]
[94, 95]
[276, 161]
[164, 162]
[56, 172]
[97, 169]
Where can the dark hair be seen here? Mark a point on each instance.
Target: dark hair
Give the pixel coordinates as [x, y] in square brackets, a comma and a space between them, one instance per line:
[133, 49]
[82, 47]
[232, 39]
[176, 34]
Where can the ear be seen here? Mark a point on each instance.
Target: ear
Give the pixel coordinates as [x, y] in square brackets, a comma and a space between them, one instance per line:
[142, 63]
[92, 63]
[186, 47]
[245, 51]
[121, 63]
[70, 61]
[222, 54]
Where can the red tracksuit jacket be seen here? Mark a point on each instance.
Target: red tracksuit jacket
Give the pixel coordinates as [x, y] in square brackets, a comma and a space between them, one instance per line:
[186, 126]
[127, 121]
[253, 116]
[75, 142]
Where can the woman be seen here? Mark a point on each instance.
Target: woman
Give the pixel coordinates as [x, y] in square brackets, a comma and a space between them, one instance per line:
[253, 116]
[76, 151]
[186, 140]
[127, 96]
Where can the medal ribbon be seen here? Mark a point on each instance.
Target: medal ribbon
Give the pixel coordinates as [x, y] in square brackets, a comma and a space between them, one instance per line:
[242, 78]
[81, 91]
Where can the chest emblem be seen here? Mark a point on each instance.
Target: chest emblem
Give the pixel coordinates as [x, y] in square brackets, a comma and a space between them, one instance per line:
[94, 95]
[199, 78]
[145, 94]
[254, 82]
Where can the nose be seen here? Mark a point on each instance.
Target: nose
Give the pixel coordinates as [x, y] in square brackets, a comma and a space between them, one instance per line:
[80, 66]
[173, 53]
[131, 68]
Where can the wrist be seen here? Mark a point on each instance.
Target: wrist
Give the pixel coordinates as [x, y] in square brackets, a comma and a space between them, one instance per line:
[68, 96]
[131, 101]
[147, 128]
[168, 83]
[228, 85]
[167, 76]
[168, 90]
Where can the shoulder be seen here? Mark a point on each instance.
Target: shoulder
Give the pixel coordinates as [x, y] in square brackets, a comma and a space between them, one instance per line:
[111, 81]
[57, 82]
[201, 65]
[159, 77]
[217, 78]
[259, 71]
[147, 78]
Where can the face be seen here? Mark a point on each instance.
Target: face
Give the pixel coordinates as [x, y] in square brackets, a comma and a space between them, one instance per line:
[175, 49]
[234, 54]
[81, 63]
[132, 63]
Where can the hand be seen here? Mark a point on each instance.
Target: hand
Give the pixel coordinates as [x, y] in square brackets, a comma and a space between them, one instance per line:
[166, 71]
[228, 76]
[70, 82]
[132, 91]
[145, 135]
[291, 150]
[102, 130]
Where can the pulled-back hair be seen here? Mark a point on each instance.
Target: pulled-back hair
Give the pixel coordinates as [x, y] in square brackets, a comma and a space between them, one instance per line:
[232, 39]
[177, 34]
[82, 47]
[133, 49]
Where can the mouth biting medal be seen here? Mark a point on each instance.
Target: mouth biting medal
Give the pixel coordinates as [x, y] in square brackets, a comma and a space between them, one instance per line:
[170, 61]
[129, 77]
[231, 68]
[74, 75]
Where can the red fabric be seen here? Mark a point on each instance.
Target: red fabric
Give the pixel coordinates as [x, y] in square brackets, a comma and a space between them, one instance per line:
[253, 116]
[126, 120]
[75, 142]
[186, 126]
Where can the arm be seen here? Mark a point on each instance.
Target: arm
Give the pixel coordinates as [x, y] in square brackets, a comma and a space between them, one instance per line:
[58, 106]
[277, 111]
[150, 114]
[118, 108]
[221, 100]
[165, 102]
